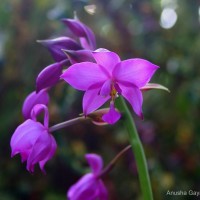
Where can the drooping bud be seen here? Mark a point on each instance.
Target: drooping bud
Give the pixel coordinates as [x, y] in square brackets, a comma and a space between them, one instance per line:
[90, 186]
[85, 34]
[33, 141]
[56, 45]
[50, 75]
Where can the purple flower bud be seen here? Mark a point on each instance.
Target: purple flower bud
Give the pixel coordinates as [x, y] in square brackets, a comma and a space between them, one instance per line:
[79, 56]
[56, 45]
[90, 186]
[33, 141]
[50, 75]
[85, 34]
[32, 99]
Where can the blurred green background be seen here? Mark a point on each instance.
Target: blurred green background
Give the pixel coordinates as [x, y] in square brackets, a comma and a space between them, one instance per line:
[165, 32]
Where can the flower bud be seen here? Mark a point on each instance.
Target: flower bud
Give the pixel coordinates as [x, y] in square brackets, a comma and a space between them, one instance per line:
[33, 141]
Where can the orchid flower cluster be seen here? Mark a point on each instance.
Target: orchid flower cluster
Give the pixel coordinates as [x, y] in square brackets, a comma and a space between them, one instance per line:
[103, 76]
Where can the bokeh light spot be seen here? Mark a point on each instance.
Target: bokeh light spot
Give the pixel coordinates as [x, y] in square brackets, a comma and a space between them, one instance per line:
[168, 18]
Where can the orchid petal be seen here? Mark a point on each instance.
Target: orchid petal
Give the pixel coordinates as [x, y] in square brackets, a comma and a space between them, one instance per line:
[56, 45]
[84, 189]
[135, 71]
[87, 37]
[96, 163]
[32, 99]
[40, 150]
[134, 96]
[49, 76]
[150, 86]
[106, 59]
[116, 86]
[79, 56]
[25, 136]
[51, 153]
[83, 75]
[88, 188]
[37, 109]
[24, 155]
[112, 116]
[106, 88]
[103, 193]
[92, 100]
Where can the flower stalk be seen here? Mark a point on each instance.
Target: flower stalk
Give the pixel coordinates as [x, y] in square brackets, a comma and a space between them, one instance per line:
[112, 163]
[138, 152]
[67, 123]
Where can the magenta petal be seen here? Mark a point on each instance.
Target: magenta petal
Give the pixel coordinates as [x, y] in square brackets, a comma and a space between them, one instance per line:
[85, 189]
[25, 136]
[103, 193]
[51, 153]
[92, 100]
[88, 188]
[37, 109]
[135, 71]
[40, 150]
[112, 116]
[24, 155]
[106, 88]
[49, 76]
[79, 56]
[87, 37]
[32, 99]
[83, 75]
[56, 45]
[106, 59]
[134, 96]
[95, 161]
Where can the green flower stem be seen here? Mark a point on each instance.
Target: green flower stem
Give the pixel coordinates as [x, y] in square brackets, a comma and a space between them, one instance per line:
[138, 152]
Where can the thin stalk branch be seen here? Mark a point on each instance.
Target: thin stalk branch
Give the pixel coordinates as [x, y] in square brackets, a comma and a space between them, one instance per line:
[67, 123]
[112, 163]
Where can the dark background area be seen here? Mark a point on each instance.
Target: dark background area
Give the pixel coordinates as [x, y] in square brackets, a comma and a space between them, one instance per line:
[164, 32]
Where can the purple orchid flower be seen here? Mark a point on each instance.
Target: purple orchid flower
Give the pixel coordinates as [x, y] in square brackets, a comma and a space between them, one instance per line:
[32, 99]
[108, 78]
[90, 186]
[33, 141]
